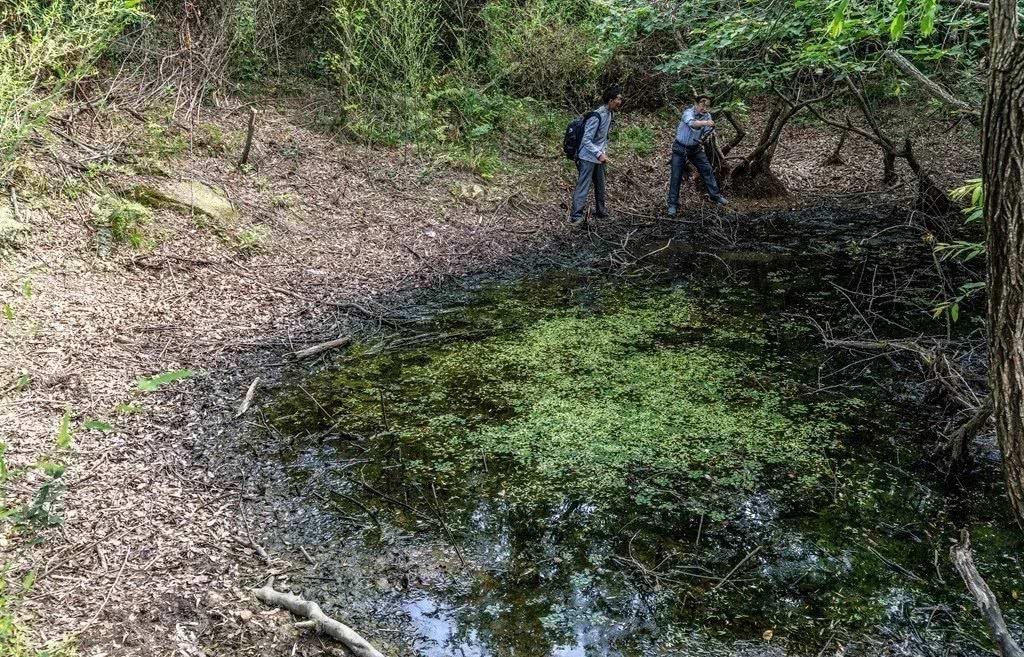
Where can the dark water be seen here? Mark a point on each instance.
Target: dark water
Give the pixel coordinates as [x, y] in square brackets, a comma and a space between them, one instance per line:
[661, 461]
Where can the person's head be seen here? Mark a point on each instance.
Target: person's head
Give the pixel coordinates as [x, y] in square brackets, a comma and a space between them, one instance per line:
[612, 97]
[702, 102]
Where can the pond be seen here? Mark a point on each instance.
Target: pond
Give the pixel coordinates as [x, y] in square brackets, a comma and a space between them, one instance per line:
[656, 461]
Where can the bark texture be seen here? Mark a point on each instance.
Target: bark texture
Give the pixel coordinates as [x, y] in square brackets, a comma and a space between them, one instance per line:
[1003, 157]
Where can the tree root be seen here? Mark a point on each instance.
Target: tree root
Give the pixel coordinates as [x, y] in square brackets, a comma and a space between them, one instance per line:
[963, 561]
[323, 623]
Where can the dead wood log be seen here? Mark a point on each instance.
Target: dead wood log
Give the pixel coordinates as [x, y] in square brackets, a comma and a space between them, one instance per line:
[323, 623]
[323, 346]
[963, 561]
[933, 88]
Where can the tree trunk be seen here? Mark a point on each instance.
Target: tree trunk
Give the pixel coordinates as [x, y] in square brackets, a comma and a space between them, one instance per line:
[836, 158]
[889, 177]
[1003, 158]
[753, 176]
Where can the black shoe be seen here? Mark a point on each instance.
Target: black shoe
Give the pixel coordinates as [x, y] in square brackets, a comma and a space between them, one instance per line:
[671, 212]
[720, 200]
[576, 221]
[600, 215]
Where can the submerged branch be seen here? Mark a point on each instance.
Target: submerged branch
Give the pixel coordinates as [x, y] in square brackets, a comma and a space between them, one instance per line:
[963, 561]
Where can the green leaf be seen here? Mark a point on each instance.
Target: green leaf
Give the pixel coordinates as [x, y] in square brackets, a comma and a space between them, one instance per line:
[98, 425]
[835, 28]
[8, 311]
[898, 25]
[928, 11]
[153, 383]
[26, 288]
[51, 468]
[64, 432]
[954, 312]
[899, 21]
[28, 581]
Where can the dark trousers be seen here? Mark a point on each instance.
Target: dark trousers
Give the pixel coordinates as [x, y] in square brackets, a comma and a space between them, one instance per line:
[696, 155]
[588, 171]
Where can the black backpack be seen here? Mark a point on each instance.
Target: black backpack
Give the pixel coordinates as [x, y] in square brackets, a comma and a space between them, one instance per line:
[574, 134]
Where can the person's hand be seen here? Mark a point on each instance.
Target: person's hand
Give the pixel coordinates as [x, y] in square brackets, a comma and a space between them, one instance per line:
[602, 158]
[709, 123]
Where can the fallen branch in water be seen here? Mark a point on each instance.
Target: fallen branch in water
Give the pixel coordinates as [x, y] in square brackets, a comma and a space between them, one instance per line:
[963, 561]
[323, 623]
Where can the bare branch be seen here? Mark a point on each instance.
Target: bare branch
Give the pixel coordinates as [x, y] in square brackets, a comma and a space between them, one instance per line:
[738, 137]
[933, 88]
[321, 621]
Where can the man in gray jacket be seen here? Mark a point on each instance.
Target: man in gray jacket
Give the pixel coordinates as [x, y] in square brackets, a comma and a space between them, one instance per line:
[695, 124]
[593, 156]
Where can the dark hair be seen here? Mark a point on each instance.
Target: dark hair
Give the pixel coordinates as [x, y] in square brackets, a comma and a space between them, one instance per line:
[700, 97]
[611, 93]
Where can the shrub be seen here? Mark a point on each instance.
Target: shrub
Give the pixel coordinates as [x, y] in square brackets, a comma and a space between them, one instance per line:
[542, 50]
[44, 48]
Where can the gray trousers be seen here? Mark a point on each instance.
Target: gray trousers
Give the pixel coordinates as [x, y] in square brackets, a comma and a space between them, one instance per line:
[588, 171]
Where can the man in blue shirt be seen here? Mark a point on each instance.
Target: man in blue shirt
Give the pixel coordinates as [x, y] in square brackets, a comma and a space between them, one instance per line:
[593, 156]
[695, 125]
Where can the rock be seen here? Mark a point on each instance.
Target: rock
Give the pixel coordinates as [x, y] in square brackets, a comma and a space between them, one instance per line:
[12, 231]
[190, 195]
[245, 615]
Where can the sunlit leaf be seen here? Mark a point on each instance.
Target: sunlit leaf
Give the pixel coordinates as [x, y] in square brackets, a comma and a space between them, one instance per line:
[64, 432]
[153, 383]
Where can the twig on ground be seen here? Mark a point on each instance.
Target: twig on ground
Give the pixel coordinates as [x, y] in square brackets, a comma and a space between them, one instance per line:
[323, 346]
[249, 394]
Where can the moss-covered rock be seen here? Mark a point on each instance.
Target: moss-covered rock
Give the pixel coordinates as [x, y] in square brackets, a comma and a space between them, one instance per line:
[189, 195]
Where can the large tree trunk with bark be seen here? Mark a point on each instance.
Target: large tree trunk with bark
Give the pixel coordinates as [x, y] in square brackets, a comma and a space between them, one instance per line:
[1003, 158]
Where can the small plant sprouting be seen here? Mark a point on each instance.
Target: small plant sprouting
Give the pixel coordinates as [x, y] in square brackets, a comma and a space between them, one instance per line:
[121, 221]
[253, 239]
[283, 201]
